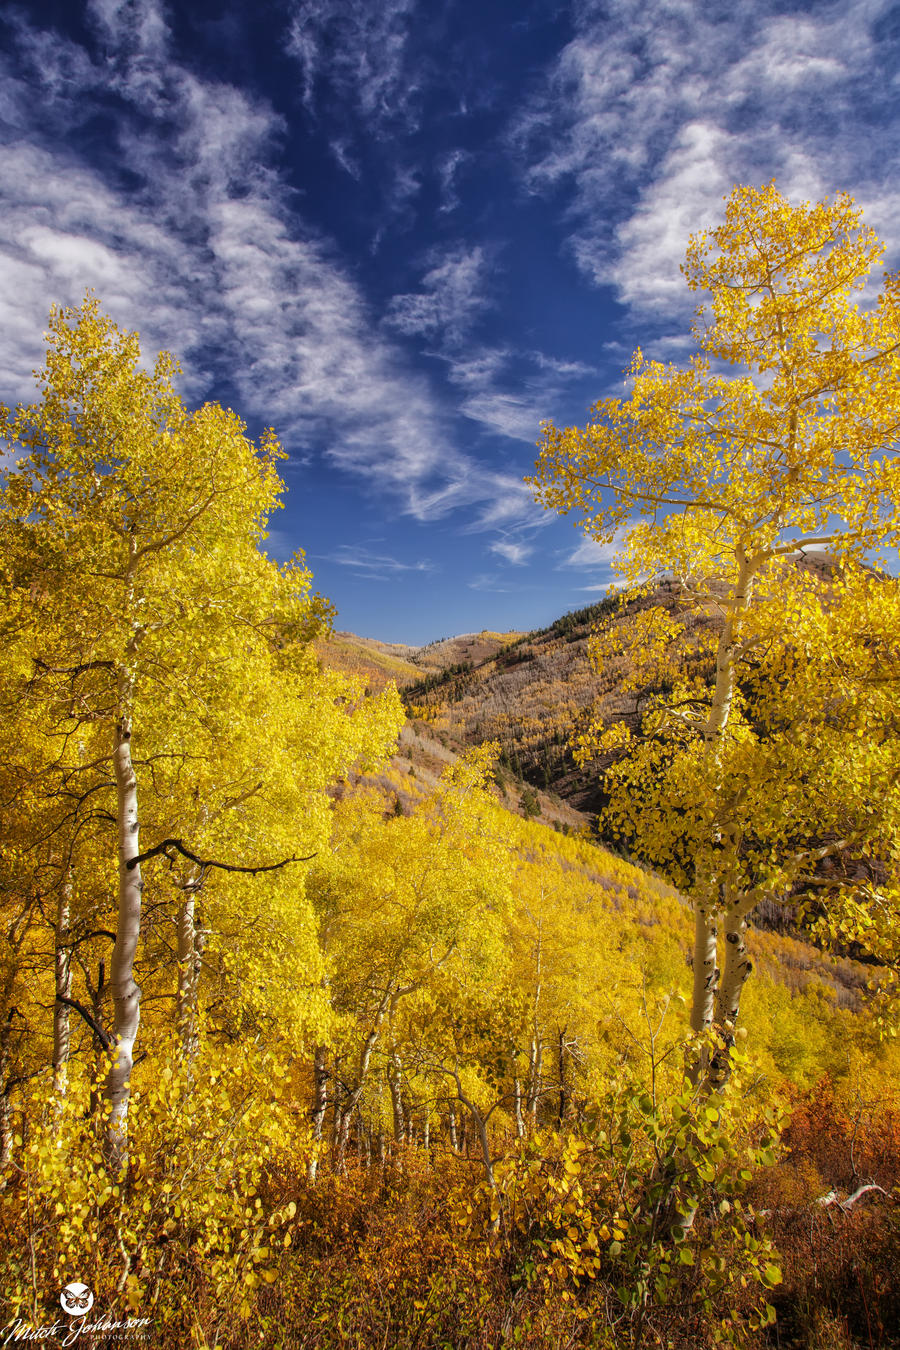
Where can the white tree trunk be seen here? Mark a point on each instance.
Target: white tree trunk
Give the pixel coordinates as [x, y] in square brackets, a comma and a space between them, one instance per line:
[97, 1008]
[190, 962]
[344, 1111]
[319, 1106]
[705, 970]
[63, 970]
[395, 1083]
[706, 973]
[125, 992]
[7, 1053]
[535, 1071]
[735, 969]
[723, 693]
[536, 1051]
[480, 1124]
[6, 1136]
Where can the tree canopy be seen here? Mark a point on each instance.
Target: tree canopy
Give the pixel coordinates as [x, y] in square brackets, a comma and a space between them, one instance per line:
[164, 686]
[777, 437]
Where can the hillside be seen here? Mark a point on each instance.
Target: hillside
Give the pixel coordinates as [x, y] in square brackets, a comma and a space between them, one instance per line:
[533, 694]
[379, 662]
[428, 743]
[528, 691]
[531, 697]
[653, 921]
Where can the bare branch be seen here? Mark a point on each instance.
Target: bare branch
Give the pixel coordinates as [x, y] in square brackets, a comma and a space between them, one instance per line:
[165, 848]
[73, 670]
[103, 1037]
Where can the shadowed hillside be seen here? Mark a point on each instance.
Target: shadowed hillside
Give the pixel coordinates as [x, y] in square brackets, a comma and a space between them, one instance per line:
[536, 692]
[531, 697]
[528, 691]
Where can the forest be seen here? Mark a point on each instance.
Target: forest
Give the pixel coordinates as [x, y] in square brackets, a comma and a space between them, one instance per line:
[302, 1046]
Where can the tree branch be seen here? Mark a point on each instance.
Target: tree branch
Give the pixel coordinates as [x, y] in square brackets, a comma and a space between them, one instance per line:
[103, 1037]
[832, 1197]
[205, 863]
[72, 670]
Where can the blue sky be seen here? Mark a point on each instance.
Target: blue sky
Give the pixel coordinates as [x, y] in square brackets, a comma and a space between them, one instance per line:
[404, 232]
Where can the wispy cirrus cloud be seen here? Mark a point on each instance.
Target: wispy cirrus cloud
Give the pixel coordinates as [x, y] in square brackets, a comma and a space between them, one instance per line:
[187, 231]
[653, 111]
[592, 554]
[512, 505]
[360, 51]
[515, 552]
[506, 391]
[373, 566]
[489, 582]
[452, 296]
[510, 392]
[506, 414]
[449, 167]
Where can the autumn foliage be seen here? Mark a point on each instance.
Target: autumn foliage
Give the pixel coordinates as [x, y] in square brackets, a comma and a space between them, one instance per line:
[297, 1049]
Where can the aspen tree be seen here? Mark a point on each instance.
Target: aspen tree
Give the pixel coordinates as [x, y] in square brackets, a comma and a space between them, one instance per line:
[403, 904]
[717, 479]
[169, 662]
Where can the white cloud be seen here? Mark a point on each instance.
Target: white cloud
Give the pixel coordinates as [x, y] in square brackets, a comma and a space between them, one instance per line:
[592, 554]
[517, 554]
[478, 368]
[510, 392]
[372, 566]
[794, 51]
[361, 50]
[654, 111]
[207, 257]
[406, 184]
[448, 168]
[132, 25]
[488, 581]
[511, 502]
[342, 154]
[505, 414]
[651, 243]
[565, 369]
[451, 298]
[61, 232]
[669, 347]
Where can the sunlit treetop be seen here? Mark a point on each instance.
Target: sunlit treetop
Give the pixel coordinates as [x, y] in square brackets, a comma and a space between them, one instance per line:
[779, 432]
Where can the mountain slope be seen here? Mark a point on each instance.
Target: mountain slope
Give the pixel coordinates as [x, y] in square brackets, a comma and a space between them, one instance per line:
[531, 697]
[537, 692]
[379, 662]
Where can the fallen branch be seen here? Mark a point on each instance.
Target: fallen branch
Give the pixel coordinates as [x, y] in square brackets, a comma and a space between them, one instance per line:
[846, 1205]
[825, 1202]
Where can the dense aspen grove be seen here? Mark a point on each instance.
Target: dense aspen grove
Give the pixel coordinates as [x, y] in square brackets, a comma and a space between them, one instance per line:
[300, 1048]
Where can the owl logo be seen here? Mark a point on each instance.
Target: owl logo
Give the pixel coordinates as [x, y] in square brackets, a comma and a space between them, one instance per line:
[76, 1299]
